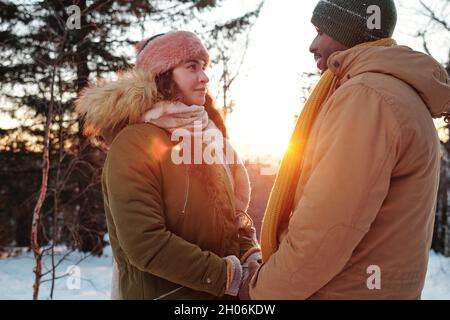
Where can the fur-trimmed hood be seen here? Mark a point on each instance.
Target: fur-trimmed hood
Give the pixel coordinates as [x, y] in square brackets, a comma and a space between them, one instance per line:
[108, 106]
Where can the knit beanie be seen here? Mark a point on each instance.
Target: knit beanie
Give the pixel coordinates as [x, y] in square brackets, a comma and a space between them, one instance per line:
[165, 51]
[352, 22]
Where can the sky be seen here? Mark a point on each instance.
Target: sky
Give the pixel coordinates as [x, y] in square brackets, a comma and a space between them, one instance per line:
[268, 94]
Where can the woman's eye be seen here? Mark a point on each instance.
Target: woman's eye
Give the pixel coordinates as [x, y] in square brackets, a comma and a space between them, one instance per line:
[191, 67]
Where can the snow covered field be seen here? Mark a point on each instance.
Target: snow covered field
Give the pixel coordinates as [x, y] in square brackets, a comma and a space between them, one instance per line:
[16, 277]
[437, 282]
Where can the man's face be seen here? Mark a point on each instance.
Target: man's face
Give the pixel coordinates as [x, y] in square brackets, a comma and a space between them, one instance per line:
[322, 47]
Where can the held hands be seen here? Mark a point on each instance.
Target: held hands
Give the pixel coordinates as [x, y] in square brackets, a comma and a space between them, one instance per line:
[251, 261]
[249, 269]
[240, 272]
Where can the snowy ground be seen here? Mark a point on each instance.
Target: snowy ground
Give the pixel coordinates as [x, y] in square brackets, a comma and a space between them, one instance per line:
[94, 274]
[16, 277]
[437, 282]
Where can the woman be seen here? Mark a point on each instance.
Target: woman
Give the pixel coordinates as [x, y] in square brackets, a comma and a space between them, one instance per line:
[177, 230]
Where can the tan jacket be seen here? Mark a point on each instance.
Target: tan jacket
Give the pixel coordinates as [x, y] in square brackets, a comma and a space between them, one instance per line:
[366, 199]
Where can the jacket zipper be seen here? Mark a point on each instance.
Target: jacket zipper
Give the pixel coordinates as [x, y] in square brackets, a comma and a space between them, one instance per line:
[186, 193]
[169, 293]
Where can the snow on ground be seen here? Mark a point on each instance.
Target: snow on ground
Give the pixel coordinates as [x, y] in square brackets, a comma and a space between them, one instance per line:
[437, 281]
[16, 277]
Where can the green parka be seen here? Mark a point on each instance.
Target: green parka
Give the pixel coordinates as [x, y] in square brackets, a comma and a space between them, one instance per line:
[167, 230]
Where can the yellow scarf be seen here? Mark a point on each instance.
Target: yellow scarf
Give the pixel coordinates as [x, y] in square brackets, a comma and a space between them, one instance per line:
[281, 200]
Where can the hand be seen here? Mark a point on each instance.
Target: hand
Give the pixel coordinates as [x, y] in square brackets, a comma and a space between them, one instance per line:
[250, 270]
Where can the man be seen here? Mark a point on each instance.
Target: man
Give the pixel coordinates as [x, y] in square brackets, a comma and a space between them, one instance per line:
[351, 213]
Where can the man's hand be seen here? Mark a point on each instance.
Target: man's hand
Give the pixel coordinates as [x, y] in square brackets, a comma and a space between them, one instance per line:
[249, 270]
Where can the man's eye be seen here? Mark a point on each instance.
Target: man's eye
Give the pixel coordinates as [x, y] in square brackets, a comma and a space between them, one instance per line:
[191, 67]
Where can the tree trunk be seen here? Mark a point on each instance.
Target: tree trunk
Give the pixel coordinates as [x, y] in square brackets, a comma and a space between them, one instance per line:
[42, 195]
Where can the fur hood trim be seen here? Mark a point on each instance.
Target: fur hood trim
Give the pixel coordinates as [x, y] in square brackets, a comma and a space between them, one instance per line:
[109, 105]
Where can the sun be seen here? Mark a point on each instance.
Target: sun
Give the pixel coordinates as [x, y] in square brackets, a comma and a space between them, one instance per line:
[262, 139]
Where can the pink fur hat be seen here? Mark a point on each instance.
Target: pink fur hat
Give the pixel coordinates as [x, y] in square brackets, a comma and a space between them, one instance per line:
[169, 50]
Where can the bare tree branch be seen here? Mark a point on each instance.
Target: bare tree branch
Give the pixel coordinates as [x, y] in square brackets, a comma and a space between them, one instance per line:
[432, 15]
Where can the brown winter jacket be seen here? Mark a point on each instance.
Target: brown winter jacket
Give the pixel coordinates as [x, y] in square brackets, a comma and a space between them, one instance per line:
[168, 231]
[365, 201]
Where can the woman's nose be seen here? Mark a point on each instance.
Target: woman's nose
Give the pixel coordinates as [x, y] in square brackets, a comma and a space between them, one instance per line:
[203, 77]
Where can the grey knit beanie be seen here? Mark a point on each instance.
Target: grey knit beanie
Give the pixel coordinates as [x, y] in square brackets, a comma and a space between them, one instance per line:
[352, 22]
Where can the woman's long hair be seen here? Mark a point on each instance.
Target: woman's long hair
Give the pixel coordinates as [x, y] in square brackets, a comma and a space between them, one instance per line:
[215, 186]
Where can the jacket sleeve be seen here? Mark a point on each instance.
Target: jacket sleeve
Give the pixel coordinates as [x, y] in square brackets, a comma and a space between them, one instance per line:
[248, 241]
[249, 245]
[133, 182]
[356, 150]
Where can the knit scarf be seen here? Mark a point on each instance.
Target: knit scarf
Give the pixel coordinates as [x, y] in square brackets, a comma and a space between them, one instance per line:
[176, 115]
[172, 116]
[193, 121]
[281, 199]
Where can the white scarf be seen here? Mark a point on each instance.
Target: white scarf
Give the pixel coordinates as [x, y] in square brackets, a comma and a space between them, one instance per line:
[176, 115]
[171, 116]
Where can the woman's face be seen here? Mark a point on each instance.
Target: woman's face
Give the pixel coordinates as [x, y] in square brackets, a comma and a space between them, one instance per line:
[192, 82]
